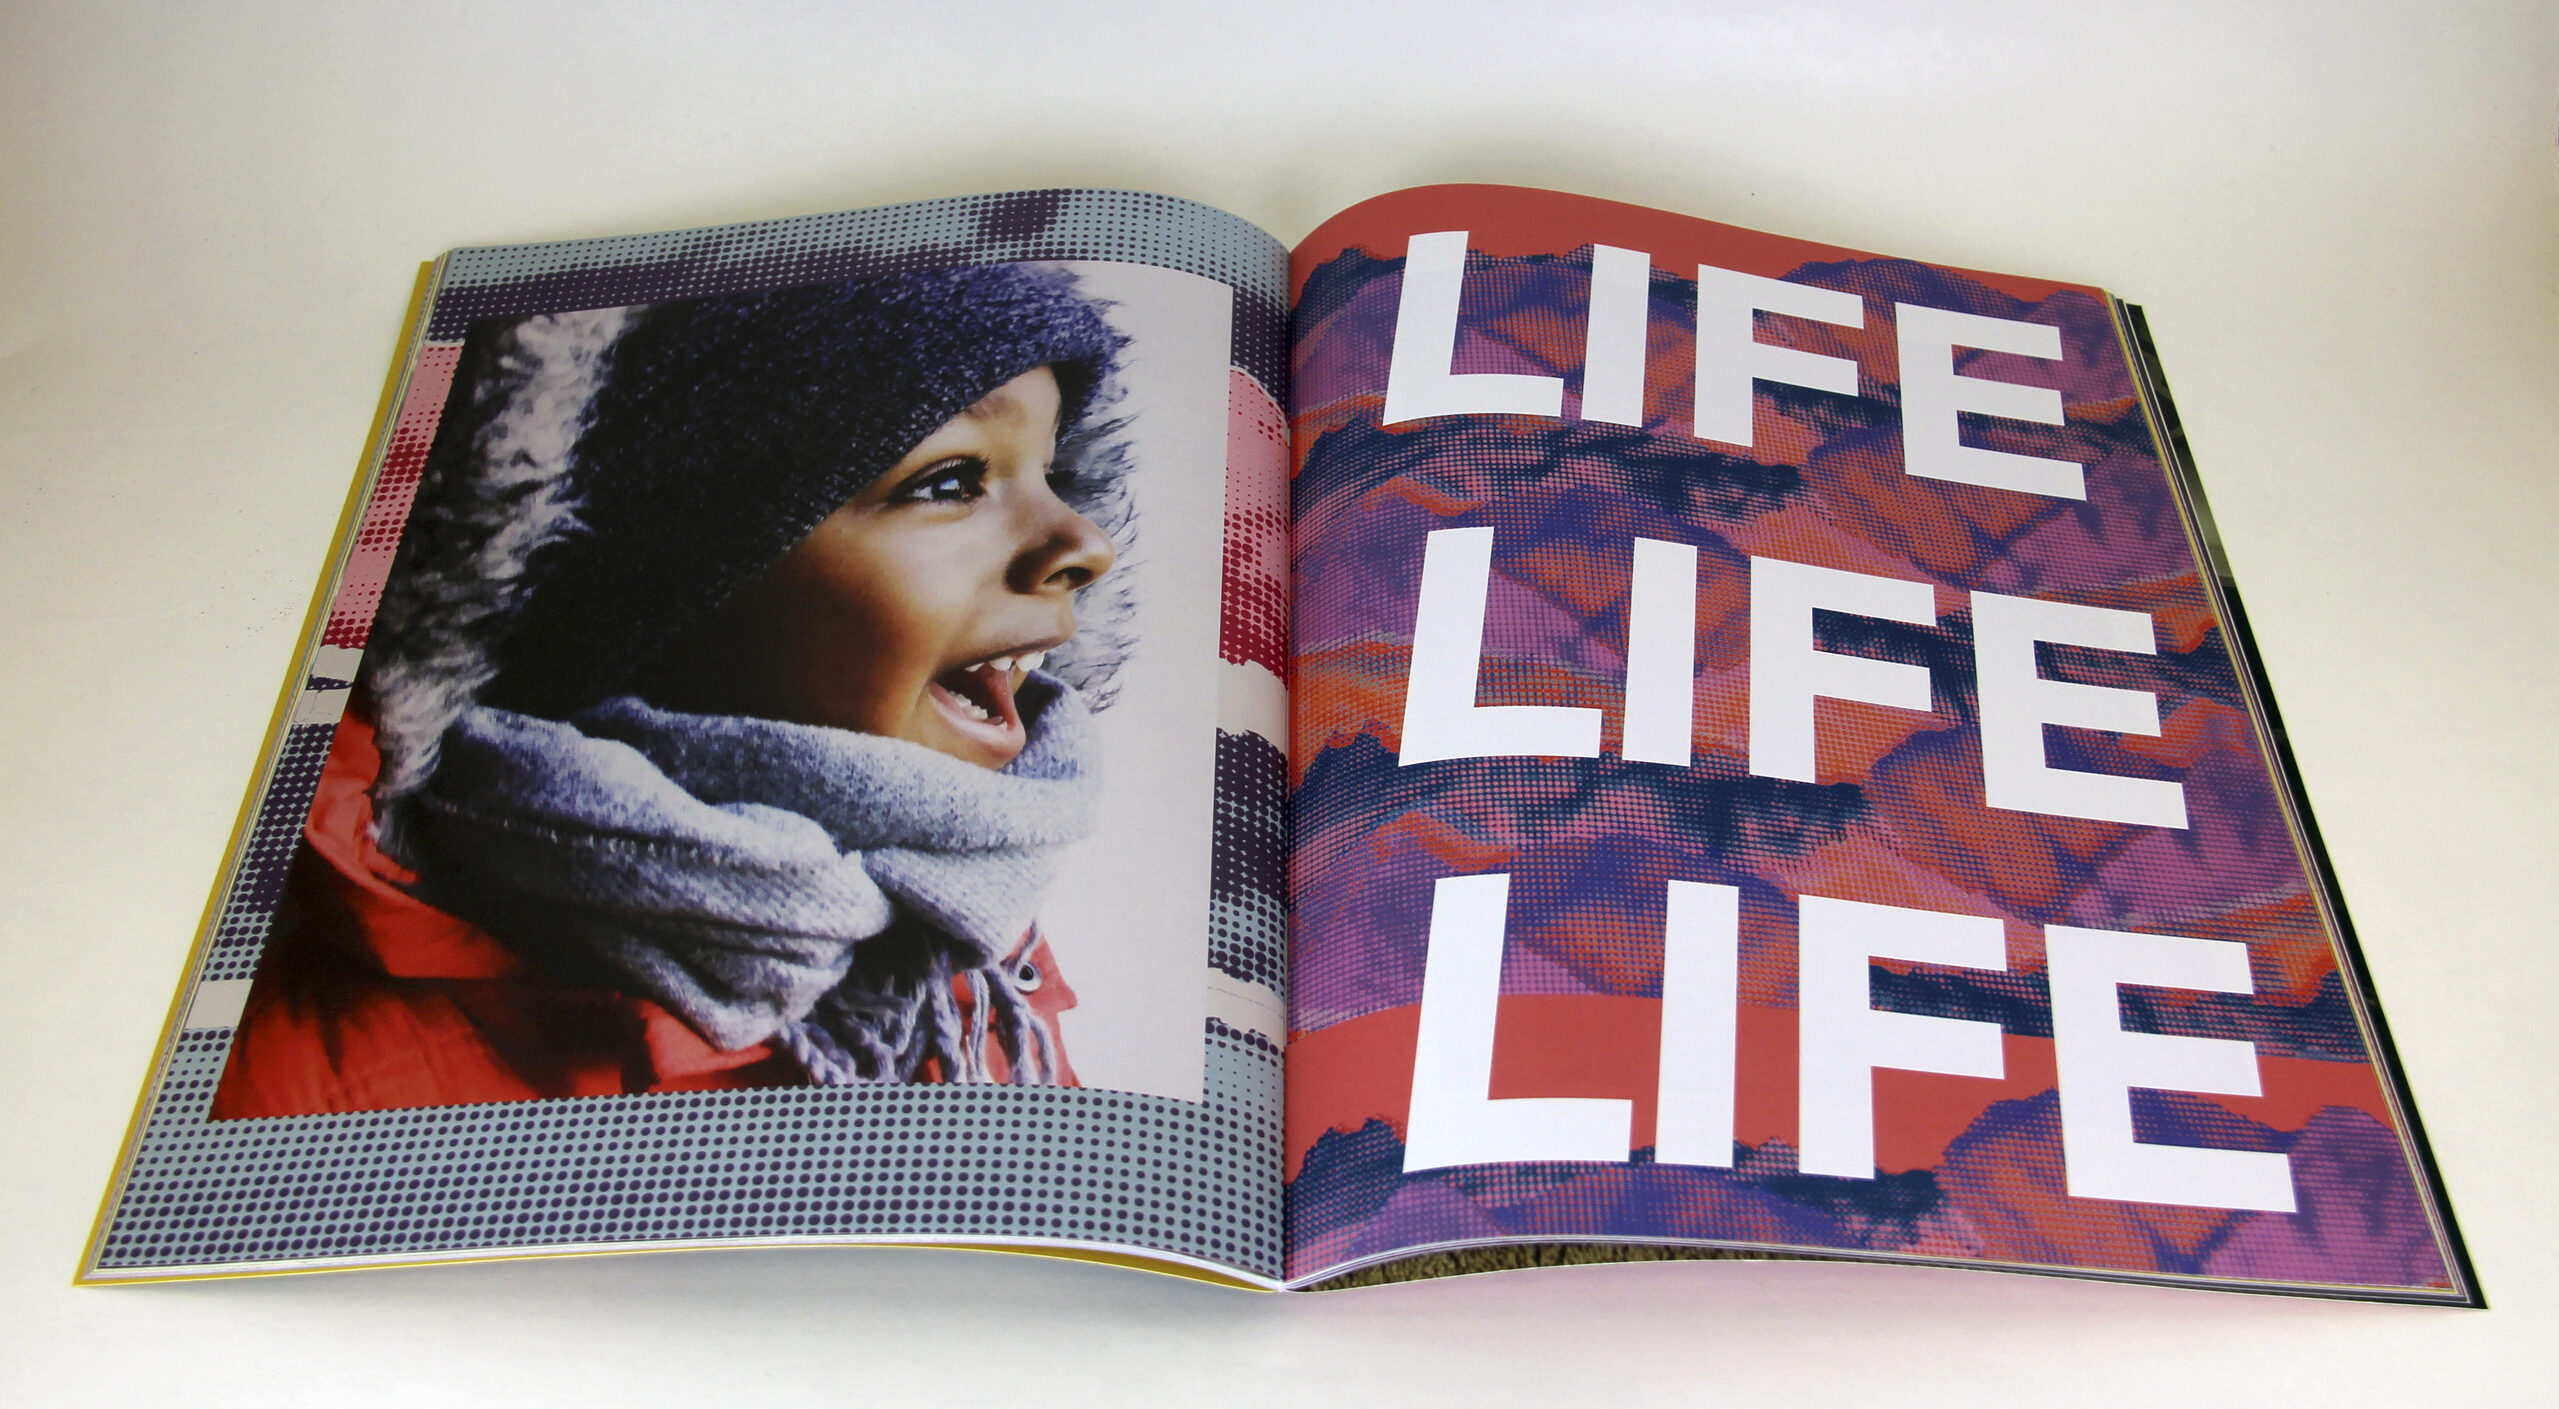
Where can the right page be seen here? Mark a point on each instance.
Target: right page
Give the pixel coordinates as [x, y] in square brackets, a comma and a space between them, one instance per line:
[1776, 766]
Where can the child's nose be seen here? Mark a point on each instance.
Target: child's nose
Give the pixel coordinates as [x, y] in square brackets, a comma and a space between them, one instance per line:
[1064, 550]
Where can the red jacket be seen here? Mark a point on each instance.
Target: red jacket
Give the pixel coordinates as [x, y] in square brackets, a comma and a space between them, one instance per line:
[368, 998]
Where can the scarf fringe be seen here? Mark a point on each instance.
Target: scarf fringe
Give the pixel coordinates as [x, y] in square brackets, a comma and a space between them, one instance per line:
[895, 1050]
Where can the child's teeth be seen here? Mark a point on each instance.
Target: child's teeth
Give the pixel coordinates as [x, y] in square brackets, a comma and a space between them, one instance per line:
[1001, 665]
[1034, 660]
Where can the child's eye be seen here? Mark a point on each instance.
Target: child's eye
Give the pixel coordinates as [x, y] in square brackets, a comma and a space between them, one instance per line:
[949, 482]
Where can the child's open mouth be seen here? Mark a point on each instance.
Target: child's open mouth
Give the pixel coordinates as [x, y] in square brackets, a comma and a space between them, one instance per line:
[978, 698]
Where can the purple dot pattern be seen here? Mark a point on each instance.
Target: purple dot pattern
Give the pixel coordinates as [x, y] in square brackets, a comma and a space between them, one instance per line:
[1248, 863]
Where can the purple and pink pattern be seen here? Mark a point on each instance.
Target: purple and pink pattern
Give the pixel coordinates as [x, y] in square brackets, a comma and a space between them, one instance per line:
[386, 510]
[1967, 1169]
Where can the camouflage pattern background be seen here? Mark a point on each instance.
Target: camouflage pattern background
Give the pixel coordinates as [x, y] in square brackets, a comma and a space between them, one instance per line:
[1968, 1169]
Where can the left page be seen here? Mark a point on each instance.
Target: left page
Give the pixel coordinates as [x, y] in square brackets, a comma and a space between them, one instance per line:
[788, 751]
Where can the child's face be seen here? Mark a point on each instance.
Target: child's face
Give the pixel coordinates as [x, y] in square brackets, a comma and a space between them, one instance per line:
[915, 610]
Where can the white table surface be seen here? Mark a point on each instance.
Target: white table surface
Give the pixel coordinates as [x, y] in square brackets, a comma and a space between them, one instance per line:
[2343, 220]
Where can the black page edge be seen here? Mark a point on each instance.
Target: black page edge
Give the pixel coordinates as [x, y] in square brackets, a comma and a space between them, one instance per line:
[2241, 642]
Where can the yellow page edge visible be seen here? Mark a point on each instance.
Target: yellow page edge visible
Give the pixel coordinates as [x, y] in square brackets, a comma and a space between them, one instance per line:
[1141, 1262]
[315, 618]
[333, 567]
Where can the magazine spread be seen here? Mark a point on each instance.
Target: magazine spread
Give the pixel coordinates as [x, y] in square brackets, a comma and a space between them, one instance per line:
[896, 727]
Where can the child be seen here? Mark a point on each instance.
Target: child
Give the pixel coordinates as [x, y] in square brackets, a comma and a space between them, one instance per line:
[724, 713]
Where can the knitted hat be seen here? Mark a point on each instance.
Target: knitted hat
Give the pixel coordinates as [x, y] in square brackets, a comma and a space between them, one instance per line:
[602, 479]
[727, 428]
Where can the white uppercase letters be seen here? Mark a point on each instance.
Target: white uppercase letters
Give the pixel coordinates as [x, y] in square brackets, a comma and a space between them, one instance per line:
[1844, 1037]
[1661, 653]
[1418, 380]
[1621, 306]
[1441, 718]
[1730, 356]
[1701, 990]
[1787, 671]
[1842, 1041]
[1932, 392]
[2016, 704]
[2098, 1064]
[1453, 1118]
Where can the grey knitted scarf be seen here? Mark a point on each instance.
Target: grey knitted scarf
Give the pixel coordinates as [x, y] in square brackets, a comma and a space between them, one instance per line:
[816, 888]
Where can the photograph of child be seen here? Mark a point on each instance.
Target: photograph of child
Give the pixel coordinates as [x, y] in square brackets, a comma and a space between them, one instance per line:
[741, 690]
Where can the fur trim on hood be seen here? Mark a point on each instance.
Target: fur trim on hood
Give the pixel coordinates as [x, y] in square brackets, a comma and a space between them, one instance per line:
[500, 497]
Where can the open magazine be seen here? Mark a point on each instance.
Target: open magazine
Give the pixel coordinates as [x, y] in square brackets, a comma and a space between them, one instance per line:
[1052, 722]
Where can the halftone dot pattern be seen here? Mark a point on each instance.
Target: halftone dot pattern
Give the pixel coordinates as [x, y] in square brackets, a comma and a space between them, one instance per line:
[1248, 939]
[1898, 813]
[1244, 1037]
[802, 1164]
[948, 1163]
[2000, 1197]
[395, 487]
[1248, 863]
[257, 880]
[1060, 224]
[1253, 605]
